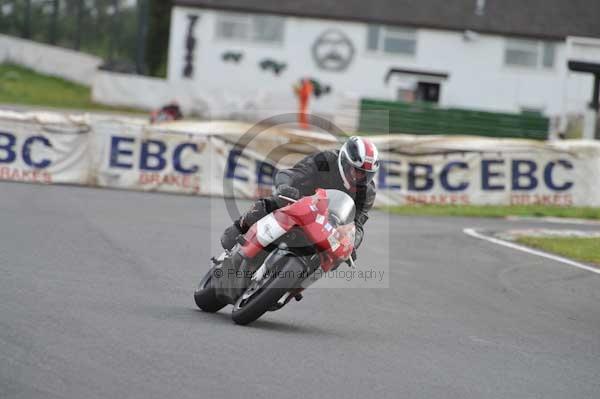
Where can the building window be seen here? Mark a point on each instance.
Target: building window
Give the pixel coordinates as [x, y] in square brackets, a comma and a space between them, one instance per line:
[529, 53]
[244, 27]
[390, 40]
[548, 55]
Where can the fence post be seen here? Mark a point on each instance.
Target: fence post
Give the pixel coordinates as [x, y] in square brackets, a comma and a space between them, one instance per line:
[79, 24]
[141, 36]
[595, 104]
[114, 25]
[26, 33]
[53, 23]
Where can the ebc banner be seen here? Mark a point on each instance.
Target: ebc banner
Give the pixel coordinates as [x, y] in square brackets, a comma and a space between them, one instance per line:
[134, 158]
[217, 159]
[492, 173]
[35, 150]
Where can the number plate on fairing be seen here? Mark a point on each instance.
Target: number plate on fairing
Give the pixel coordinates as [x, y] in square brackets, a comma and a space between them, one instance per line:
[268, 230]
[333, 242]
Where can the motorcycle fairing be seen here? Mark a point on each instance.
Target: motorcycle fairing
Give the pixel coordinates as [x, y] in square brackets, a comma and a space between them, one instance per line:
[311, 214]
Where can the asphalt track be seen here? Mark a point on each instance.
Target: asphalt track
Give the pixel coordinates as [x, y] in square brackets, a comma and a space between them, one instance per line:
[96, 302]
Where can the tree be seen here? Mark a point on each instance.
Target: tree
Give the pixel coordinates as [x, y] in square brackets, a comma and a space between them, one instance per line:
[157, 39]
[106, 28]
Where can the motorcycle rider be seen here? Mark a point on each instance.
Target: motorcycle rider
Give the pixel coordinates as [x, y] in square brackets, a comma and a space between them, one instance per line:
[350, 169]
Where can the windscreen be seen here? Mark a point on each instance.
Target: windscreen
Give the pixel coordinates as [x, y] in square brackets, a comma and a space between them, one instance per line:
[341, 206]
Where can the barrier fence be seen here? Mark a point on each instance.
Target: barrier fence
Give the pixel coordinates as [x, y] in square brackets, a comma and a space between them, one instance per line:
[222, 159]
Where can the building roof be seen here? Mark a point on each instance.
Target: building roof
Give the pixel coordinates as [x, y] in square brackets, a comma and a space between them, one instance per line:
[550, 19]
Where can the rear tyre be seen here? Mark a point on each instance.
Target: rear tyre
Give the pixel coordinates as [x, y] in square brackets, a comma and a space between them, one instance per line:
[245, 312]
[205, 295]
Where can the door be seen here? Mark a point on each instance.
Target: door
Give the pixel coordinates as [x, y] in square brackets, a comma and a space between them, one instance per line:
[428, 92]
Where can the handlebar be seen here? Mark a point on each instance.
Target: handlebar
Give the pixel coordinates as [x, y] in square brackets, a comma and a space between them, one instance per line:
[283, 197]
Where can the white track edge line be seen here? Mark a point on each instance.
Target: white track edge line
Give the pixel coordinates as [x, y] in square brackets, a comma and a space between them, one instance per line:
[553, 220]
[474, 233]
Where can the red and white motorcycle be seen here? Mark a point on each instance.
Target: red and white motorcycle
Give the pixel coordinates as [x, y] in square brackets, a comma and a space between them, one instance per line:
[280, 256]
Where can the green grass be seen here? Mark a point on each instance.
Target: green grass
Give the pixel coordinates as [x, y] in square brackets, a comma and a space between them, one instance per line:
[496, 211]
[23, 86]
[581, 249]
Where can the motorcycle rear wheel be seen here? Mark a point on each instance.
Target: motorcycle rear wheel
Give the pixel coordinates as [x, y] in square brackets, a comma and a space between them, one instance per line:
[205, 295]
[268, 295]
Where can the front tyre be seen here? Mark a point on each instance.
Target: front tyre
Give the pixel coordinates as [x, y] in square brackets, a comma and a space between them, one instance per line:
[205, 295]
[245, 311]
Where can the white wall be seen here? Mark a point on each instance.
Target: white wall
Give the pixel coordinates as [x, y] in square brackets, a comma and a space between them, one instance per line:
[149, 93]
[478, 77]
[50, 60]
[130, 90]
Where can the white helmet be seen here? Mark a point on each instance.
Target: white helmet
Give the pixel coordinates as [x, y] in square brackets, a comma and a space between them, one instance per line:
[358, 161]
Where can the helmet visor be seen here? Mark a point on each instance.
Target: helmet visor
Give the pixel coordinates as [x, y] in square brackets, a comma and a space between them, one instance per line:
[356, 176]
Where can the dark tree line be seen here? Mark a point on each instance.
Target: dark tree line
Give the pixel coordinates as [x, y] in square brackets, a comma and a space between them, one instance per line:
[130, 35]
[157, 42]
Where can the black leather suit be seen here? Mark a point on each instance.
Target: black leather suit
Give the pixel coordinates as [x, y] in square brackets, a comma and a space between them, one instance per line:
[318, 170]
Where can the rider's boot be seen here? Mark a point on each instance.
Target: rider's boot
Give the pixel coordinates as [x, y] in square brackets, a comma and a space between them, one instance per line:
[257, 211]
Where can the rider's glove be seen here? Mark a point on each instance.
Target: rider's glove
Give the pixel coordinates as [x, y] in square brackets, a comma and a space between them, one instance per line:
[286, 191]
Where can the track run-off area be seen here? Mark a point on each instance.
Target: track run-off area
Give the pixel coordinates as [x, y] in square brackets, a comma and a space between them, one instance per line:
[96, 301]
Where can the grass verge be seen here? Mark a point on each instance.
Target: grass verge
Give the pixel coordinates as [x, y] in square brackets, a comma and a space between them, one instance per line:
[496, 211]
[23, 86]
[581, 249]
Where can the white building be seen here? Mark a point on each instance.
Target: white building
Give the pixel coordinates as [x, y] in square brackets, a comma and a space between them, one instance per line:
[497, 55]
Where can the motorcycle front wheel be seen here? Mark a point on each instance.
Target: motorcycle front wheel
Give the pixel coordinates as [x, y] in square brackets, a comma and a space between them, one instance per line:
[248, 309]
